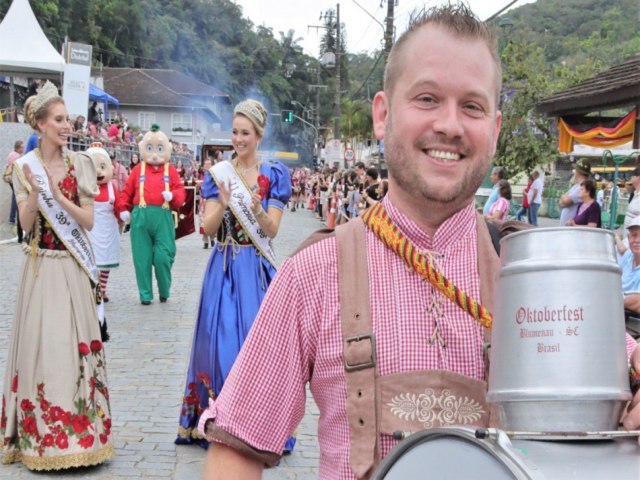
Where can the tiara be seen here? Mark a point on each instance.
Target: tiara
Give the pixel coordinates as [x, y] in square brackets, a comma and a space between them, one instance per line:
[46, 93]
[248, 108]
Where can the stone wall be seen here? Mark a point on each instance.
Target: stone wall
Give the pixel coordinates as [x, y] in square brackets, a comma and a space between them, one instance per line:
[9, 133]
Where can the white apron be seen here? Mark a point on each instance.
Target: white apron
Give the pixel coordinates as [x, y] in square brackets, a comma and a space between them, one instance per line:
[105, 236]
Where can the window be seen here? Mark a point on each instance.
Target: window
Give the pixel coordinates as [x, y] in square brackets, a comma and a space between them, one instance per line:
[181, 124]
[146, 119]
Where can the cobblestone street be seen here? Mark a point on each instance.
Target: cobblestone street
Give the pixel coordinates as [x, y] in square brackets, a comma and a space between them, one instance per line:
[147, 362]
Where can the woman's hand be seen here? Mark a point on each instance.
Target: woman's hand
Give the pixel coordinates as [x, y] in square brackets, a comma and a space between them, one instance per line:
[570, 223]
[256, 202]
[224, 194]
[53, 186]
[31, 178]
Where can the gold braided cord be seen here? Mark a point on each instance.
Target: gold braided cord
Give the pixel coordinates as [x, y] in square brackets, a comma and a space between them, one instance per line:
[377, 219]
[165, 204]
[60, 462]
[142, 203]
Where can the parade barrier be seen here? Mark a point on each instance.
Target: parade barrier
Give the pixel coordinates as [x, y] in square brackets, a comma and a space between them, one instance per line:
[331, 219]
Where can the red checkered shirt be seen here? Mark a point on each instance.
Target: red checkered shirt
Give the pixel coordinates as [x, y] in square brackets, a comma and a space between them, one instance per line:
[297, 338]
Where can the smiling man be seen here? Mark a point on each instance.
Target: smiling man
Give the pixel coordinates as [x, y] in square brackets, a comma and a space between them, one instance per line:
[353, 314]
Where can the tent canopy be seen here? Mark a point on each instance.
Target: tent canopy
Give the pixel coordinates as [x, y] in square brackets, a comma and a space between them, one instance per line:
[30, 53]
[98, 95]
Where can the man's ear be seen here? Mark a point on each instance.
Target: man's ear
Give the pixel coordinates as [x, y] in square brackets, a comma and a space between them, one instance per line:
[379, 112]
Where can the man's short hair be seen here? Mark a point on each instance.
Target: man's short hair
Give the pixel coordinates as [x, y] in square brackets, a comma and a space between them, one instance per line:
[359, 165]
[457, 19]
[372, 172]
[499, 172]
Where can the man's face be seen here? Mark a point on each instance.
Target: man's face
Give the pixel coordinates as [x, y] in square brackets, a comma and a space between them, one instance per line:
[440, 124]
[635, 181]
[634, 241]
[494, 178]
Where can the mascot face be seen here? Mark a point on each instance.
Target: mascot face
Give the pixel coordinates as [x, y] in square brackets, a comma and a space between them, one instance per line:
[104, 167]
[155, 147]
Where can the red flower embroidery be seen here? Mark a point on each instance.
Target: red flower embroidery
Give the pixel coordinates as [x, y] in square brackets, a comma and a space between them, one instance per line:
[56, 413]
[14, 384]
[192, 386]
[68, 184]
[44, 405]
[204, 378]
[29, 425]
[86, 441]
[103, 438]
[189, 399]
[66, 418]
[96, 346]
[62, 441]
[27, 406]
[48, 239]
[47, 441]
[263, 183]
[107, 426]
[3, 420]
[80, 423]
[83, 348]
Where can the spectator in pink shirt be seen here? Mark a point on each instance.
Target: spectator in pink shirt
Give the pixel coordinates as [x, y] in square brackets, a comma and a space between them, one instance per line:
[120, 174]
[500, 208]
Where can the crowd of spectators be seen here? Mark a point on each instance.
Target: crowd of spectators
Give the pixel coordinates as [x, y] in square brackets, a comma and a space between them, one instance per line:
[118, 138]
[353, 190]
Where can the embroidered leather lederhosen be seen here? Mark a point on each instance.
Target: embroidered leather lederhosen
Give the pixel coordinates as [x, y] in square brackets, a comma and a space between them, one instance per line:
[377, 404]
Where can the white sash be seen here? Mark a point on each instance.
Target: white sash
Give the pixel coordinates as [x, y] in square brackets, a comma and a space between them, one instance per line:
[240, 204]
[69, 232]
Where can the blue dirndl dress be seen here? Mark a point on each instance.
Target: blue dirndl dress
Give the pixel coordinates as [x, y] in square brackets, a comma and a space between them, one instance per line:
[235, 282]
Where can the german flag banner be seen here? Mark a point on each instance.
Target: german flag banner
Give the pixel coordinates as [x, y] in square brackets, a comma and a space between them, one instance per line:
[595, 131]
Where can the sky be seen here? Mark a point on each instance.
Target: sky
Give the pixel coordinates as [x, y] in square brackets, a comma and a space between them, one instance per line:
[364, 33]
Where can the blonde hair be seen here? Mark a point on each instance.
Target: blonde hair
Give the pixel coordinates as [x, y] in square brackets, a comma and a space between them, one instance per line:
[36, 108]
[255, 112]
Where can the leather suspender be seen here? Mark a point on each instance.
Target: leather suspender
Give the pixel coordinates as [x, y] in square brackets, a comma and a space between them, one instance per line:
[359, 344]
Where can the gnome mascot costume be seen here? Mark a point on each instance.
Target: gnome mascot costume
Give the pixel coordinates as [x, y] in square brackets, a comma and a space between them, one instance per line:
[153, 189]
[104, 236]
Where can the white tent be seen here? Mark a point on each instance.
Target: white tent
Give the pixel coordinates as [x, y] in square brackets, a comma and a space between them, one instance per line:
[24, 48]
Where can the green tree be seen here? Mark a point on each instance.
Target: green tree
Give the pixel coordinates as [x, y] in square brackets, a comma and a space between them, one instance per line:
[526, 139]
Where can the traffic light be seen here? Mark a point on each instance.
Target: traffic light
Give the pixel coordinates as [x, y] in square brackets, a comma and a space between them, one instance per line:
[287, 116]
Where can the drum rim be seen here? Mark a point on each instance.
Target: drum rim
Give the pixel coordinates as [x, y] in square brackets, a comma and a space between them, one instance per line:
[495, 449]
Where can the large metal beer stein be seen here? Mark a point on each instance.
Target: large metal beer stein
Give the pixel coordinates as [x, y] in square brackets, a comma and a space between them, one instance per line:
[558, 356]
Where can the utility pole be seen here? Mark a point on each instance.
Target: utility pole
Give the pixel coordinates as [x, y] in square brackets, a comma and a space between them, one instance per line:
[388, 34]
[336, 130]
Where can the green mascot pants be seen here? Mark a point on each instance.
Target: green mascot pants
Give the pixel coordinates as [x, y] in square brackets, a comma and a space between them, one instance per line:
[152, 244]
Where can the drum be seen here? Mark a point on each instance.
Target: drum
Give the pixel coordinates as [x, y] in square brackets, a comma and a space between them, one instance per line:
[454, 453]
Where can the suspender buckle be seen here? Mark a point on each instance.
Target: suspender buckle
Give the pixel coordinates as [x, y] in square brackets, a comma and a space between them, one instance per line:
[359, 352]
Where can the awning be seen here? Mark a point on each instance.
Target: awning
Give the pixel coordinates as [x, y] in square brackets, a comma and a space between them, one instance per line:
[98, 95]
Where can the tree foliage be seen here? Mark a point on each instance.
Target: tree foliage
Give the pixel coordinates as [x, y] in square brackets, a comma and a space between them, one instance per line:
[551, 45]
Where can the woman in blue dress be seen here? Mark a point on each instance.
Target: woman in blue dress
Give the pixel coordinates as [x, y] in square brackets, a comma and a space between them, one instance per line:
[241, 264]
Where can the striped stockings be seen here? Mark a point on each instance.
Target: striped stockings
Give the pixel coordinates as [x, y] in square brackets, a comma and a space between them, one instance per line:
[104, 278]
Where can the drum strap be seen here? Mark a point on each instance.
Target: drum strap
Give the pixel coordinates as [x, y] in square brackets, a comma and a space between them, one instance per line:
[359, 347]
